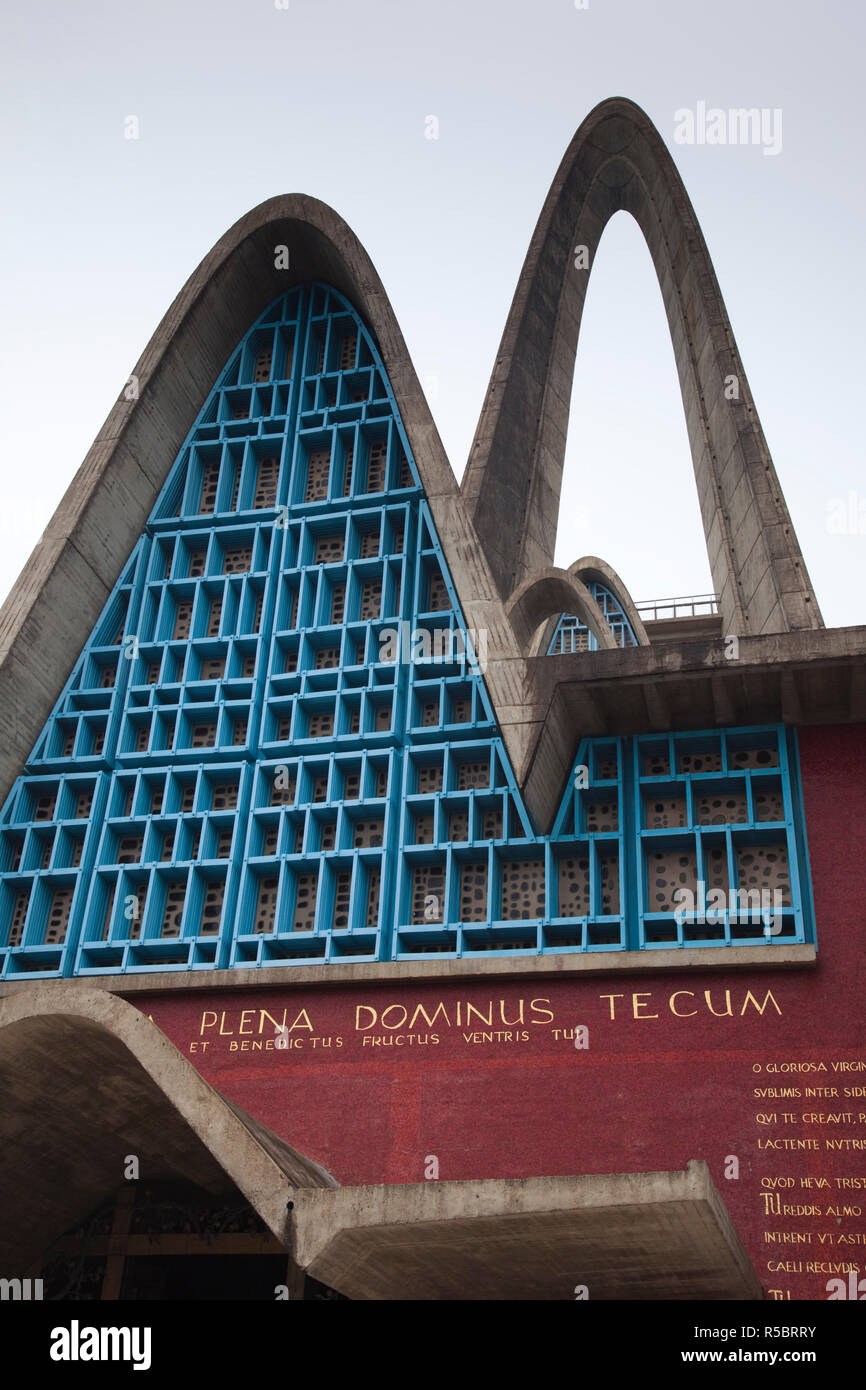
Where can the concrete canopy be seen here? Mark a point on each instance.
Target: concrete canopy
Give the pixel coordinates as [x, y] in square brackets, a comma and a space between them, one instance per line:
[624, 1236]
[87, 1079]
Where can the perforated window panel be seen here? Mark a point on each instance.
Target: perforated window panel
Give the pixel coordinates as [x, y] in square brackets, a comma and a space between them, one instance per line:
[279, 611]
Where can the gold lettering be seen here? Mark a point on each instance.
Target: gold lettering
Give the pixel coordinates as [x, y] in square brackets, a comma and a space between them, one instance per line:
[726, 1013]
[277, 1027]
[359, 1028]
[676, 995]
[611, 997]
[211, 1016]
[389, 1009]
[635, 1005]
[511, 1021]
[759, 1007]
[440, 1007]
[534, 1005]
[470, 1008]
[246, 1014]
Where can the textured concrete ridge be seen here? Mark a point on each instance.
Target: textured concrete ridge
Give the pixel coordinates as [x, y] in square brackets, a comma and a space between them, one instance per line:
[394, 972]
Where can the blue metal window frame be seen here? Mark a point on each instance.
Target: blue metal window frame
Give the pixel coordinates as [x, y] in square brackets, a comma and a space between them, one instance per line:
[569, 626]
[210, 683]
[643, 928]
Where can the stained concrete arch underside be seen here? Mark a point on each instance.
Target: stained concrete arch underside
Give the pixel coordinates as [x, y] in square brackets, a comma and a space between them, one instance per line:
[86, 1079]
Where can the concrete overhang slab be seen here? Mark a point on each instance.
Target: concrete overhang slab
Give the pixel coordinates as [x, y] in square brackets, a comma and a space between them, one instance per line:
[794, 678]
[655, 1236]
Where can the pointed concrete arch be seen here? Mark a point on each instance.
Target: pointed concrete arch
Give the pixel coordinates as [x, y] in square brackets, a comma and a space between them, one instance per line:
[53, 605]
[86, 1079]
[585, 570]
[590, 567]
[548, 595]
[618, 161]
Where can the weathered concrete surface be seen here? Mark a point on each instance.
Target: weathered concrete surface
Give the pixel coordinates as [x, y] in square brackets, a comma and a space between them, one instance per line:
[51, 610]
[618, 161]
[395, 972]
[794, 678]
[588, 568]
[545, 596]
[510, 496]
[625, 1236]
[686, 629]
[86, 1079]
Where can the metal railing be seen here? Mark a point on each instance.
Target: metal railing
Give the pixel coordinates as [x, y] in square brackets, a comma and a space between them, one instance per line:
[693, 606]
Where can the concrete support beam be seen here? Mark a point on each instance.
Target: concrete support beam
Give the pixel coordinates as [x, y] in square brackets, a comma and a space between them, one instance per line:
[393, 972]
[623, 1236]
[617, 161]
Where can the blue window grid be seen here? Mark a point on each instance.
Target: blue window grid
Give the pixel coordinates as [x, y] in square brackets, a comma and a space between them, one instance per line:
[277, 745]
[572, 635]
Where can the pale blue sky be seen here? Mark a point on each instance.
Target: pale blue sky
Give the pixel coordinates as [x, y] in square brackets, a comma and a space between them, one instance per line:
[239, 100]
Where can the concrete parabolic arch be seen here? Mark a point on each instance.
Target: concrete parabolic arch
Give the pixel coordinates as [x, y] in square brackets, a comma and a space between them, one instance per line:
[53, 605]
[86, 1079]
[583, 572]
[590, 567]
[497, 531]
[618, 161]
